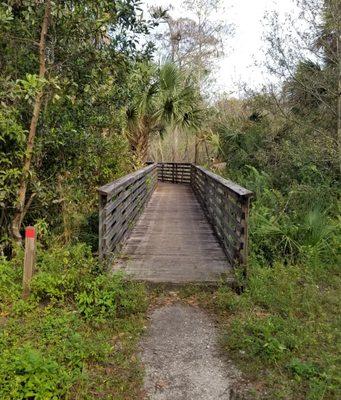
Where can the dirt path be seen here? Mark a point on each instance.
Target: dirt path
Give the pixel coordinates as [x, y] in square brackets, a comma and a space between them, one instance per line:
[181, 357]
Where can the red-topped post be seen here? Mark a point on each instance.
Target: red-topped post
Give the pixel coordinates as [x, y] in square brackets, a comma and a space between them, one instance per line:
[30, 249]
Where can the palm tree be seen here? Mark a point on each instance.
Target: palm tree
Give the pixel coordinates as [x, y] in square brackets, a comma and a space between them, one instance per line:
[178, 105]
[167, 99]
[140, 122]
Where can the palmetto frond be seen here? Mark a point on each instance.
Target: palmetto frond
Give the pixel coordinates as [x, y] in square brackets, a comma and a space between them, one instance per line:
[170, 77]
[164, 97]
[178, 99]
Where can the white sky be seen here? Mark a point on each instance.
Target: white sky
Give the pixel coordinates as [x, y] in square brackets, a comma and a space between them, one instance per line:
[245, 47]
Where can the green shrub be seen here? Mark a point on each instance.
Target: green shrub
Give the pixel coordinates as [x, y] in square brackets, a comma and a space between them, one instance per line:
[67, 258]
[294, 224]
[228, 300]
[303, 369]
[111, 297]
[10, 283]
[286, 322]
[263, 336]
[22, 307]
[66, 332]
[28, 374]
[318, 382]
[284, 290]
[63, 272]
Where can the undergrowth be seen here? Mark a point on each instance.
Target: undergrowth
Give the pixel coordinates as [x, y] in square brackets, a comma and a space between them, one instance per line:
[283, 330]
[75, 337]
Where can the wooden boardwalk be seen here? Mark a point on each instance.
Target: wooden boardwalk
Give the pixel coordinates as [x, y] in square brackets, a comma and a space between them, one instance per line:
[172, 241]
[177, 223]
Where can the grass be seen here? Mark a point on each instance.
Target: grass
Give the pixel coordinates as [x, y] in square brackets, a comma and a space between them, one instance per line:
[283, 331]
[76, 337]
[53, 353]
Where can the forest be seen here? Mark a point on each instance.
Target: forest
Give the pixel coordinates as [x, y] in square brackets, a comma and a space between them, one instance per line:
[86, 98]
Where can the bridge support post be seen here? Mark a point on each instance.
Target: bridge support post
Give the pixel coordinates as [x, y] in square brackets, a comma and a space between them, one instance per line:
[244, 251]
[102, 226]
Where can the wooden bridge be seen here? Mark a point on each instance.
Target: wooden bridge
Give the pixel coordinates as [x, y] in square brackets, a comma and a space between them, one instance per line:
[174, 223]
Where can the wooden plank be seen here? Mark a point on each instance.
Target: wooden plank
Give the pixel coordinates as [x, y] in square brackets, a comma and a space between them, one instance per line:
[244, 240]
[121, 216]
[102, 226]
[226, 205]
[223, 202]
[175, 172]
[173, 241]
[124, 228]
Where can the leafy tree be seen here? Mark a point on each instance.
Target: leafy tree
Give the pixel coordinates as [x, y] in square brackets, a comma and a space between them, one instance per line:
[22, 205]
[306, 56]
[194, 43]
[86, 57]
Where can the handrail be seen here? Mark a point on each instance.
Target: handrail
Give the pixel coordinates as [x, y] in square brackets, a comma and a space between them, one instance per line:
[120, 203]
[226, 205]
[110, 188]
[232, 186]
[174, 172]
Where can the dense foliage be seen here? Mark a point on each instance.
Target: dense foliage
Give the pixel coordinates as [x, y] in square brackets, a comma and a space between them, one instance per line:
[78, 328]
[79, 325]
[91, 51]
[283, 144]
[101, 99]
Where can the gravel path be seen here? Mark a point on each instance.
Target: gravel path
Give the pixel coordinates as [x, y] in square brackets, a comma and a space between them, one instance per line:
[181, 358]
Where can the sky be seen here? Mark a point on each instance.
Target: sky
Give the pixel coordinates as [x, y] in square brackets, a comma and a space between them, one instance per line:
[246, 47]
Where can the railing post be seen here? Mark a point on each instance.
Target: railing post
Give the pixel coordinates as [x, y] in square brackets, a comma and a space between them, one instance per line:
[192, 179]
[102, 226]
[243, 252]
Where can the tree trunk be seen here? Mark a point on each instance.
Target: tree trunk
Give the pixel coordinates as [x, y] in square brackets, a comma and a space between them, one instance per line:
[207, 152]
[186, 156]
[139, 142]
[196, 149]
[20, 208]
[142, 149]
[161, 150]
[174, 144]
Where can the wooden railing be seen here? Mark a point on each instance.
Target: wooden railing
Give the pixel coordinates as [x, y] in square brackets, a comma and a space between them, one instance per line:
[226, 205]
[120, 204]
[174, 172]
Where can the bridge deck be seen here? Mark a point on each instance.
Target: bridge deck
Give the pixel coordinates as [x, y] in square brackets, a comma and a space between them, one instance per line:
[173, 242]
